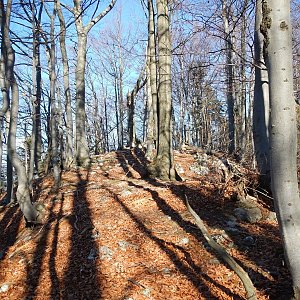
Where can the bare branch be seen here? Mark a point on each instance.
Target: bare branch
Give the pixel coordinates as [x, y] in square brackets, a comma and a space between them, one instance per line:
[224, 255]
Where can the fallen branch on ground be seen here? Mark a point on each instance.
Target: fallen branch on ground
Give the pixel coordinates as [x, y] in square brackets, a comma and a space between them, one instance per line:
[224, 255]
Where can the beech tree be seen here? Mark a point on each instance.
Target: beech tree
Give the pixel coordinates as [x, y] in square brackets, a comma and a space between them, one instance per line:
[261, 107]
[82, 151]
[11, 91]
[277, 30]
[151, 138]
[164, 162]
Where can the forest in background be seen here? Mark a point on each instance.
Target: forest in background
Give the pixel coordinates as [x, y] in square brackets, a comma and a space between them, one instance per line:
[85, 78]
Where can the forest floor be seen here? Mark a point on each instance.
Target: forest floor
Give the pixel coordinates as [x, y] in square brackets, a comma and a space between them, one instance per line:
[111, 233]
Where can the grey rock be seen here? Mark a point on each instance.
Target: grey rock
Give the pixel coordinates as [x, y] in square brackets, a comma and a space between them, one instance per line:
[146, 292]
[251, 215]
[184, 241]
[249, 241]
[231, 224]
[232, 230]
[4, 288]
[272, 216]
[166, 271]
[240, 213]
[105, 253]
[93, 254]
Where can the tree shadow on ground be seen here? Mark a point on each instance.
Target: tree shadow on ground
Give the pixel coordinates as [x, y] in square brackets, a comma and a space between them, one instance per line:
[214, 212]
[9, 226]
[134, 159]
[34, 266]
[80, 279]
[187, 267]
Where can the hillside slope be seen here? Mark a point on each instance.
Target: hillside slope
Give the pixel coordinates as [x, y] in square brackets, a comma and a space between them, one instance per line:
[111, 233]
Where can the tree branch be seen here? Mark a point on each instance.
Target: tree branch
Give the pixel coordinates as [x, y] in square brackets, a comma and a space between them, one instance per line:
[224, 255]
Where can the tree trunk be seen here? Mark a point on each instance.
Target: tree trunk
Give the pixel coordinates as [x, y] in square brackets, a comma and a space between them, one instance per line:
[230, 79]
[69, 122]
[82, 151]
[5, 73]
[164, 164]
[152, 126]
[261, 106]
[23, 192]
[131, 107]
[277, 30]
[55, 161]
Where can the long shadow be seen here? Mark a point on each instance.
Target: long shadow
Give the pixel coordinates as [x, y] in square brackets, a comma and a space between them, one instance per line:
[34, 269]
[9, 226]
[193, 272]
[80, 279]
[271, 262]
[135, 159]
[55, 283]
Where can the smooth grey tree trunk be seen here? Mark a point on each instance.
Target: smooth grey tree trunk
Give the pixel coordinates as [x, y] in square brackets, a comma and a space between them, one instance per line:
[131, 108]
[230, 78]
[82, 151]
[34, 16]
[23, 192]
[67, 92]
[152, 126]
[5, 73]
[283, 130]
[164, 163]
[55, 160]
[261, 105]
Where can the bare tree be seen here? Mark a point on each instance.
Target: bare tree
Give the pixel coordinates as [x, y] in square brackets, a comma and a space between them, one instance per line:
[261, 109]
[23, 192]
[69, 117]
[82, 152]
[164, 161]
[152, 83]
[277, 30]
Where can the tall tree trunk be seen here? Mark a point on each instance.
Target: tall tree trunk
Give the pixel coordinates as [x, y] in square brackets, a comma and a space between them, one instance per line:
[23, 192]
[55, 161]
[82, 151]
[277, 29]
[242, 102]
[152, 126]
[164, 163]
[230, 78]
[261, 106]
[69, 117]
[5, 88]
[131, 107]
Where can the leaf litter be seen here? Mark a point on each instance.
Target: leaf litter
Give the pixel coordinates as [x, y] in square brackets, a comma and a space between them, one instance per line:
[112, 233]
